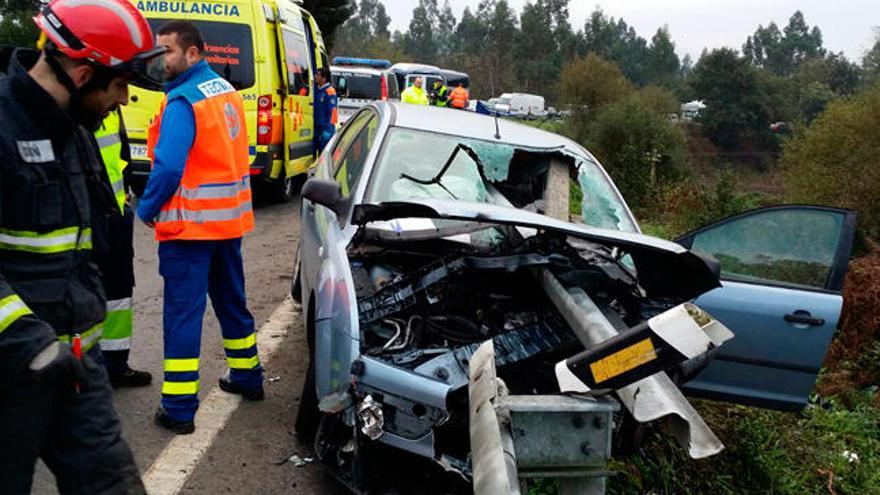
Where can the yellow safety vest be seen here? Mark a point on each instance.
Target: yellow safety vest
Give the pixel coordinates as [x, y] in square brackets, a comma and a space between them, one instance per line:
[414, 96]
[109, 139]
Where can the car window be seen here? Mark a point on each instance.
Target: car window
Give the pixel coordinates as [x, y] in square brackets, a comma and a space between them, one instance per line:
[229, 49]
[351, 163]
[350, 84]
[409, 154]
[393, 90]
[297, 62]
[786, 246]
[349, 133]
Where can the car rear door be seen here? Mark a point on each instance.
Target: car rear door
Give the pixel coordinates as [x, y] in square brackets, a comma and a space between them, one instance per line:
[298, 103]
[782, 271]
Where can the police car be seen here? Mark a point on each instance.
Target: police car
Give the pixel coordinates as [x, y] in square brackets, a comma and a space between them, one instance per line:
[359, 81]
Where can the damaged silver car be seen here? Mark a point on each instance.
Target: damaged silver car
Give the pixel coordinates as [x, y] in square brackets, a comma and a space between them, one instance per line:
[426, 233]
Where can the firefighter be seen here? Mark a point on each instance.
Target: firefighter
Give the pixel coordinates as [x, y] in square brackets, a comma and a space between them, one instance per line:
[459, 97]
[55, 397]
[440, 94]
[414, 95]
[198, 200]
[117, 266]
[326, 113]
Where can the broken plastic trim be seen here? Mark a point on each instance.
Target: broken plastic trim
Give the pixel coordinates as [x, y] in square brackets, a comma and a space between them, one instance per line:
[681, 333]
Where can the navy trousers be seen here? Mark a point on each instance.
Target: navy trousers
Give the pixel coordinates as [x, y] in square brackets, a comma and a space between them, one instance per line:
[192, 270]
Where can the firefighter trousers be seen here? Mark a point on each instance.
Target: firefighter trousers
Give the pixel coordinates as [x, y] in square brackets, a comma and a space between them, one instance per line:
[117, 269]
[77, 435]
[192, 270]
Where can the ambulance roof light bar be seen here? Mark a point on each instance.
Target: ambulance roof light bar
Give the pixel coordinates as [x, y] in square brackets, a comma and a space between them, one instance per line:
[369, 62]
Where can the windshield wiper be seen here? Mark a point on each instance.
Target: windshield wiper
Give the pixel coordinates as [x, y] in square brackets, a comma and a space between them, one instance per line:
[437, 178]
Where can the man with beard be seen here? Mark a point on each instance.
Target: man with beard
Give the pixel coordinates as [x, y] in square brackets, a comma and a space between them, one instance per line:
[55, 397]
[198, 200]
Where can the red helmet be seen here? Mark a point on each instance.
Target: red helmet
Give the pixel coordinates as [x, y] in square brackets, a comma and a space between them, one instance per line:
[112, 33]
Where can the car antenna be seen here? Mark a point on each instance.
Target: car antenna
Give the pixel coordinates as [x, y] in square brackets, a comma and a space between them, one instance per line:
[497, 130]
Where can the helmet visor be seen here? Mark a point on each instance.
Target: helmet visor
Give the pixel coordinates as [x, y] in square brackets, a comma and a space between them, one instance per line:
[148, 69]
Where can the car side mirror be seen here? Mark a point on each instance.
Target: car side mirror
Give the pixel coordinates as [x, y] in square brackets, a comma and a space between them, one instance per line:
[327, 193]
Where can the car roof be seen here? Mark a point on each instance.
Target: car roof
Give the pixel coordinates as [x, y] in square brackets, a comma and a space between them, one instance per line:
[355, 69]
[475, 126]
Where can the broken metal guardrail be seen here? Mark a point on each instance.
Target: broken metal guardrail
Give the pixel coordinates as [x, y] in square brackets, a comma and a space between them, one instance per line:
[554, 436]
[648, 399]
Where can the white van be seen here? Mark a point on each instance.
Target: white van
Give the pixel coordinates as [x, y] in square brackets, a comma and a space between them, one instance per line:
[521, 105]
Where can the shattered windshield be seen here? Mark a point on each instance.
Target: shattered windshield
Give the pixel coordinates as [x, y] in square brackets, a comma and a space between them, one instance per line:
[422, 165]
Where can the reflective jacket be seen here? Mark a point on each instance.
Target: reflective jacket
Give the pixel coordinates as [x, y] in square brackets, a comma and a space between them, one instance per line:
[441, 96]
[110, 141]
[49, 170]
[459, 97]
[414, 96]
[213, 200]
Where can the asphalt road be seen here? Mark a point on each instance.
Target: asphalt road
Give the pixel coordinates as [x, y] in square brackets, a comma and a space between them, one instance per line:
[243, 458]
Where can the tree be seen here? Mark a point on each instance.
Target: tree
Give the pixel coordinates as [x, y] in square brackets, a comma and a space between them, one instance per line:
[592, 82]
[736, 107]
[545, 30]
[499, 22]
[16, 26]
[835, 160]
[420, 43]
[783, 52]
[871, 60]
[618, 42]
[329, 14]
[638, 147]
[663, 64]
[366, 33]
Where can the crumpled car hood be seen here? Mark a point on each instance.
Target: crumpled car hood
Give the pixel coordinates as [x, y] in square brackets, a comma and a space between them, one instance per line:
[665, 269]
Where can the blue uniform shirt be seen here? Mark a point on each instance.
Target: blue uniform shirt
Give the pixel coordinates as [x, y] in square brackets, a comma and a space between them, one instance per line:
[325, 106]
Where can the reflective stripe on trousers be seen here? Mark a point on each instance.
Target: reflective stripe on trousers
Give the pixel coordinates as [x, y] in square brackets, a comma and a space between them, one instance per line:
[117, 326]
[56, 241]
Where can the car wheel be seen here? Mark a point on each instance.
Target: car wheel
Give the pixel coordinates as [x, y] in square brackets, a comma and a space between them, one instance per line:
[308, 416]
[285, 189]
[296, 285]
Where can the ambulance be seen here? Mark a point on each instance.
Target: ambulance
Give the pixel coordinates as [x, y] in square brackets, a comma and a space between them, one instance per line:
[269, 50]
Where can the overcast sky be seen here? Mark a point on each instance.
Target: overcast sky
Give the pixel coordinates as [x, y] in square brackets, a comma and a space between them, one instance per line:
[846, 24]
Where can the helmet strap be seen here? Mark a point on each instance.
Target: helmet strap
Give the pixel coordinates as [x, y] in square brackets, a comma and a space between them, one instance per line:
[75, 107]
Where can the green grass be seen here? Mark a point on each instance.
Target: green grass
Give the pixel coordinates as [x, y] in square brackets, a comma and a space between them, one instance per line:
[766, 452]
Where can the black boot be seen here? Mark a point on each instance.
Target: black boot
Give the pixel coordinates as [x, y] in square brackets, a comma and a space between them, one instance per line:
[228, 385]
[131, 378]
[165, 421]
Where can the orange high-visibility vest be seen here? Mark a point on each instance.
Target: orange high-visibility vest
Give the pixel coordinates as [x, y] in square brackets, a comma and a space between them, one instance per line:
[459, 97]
[213, 201]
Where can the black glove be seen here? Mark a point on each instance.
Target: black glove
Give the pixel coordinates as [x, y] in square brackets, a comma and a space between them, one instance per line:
[57, 364]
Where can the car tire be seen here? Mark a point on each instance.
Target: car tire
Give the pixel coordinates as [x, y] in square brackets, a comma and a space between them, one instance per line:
[296, 285]
[308, 416]
[285, 189]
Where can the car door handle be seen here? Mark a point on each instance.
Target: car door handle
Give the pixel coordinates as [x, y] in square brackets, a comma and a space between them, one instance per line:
[805, 318]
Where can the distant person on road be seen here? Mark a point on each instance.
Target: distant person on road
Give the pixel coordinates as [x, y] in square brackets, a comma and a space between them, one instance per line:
[440, 94]
[415, 94]
[198, 199]
[459, 97]
[56, 403]
[326, 113]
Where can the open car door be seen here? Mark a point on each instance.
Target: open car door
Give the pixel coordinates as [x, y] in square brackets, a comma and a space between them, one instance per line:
[782, 271]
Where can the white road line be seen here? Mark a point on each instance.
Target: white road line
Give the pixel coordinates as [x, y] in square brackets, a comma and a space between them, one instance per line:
[181, 456]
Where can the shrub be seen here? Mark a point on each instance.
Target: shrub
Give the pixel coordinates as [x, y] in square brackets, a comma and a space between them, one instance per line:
[639, 148]
[836, 161]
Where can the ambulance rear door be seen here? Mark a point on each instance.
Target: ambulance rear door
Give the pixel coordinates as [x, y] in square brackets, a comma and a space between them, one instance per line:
[298, 98]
